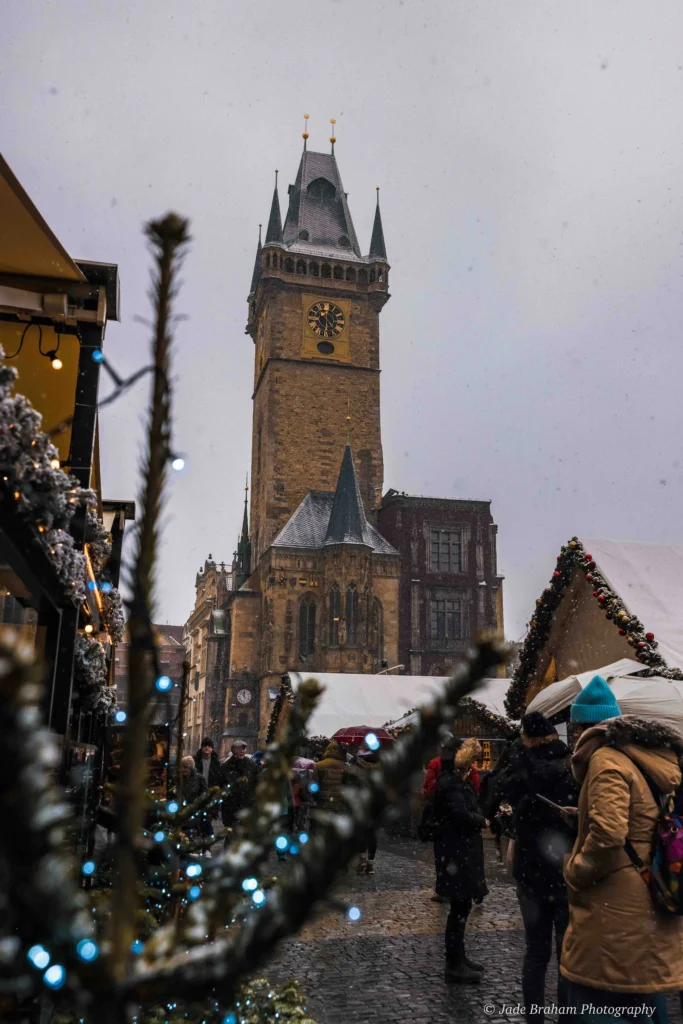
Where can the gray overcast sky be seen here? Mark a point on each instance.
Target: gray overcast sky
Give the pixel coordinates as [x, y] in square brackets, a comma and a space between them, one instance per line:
[531, 162]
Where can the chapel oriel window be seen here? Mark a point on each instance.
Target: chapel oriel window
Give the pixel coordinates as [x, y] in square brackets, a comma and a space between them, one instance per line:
[334, 614]
[352, 615]
[445, 618]
[306, 627]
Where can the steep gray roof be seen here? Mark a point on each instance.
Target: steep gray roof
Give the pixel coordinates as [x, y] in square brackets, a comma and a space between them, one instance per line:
[320, 210]
[347, 518]
[308, 528]
[256, 276]
[378, 249]
[274, 229]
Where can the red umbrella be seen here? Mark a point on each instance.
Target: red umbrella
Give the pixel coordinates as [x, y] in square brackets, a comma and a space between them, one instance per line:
[355, 735]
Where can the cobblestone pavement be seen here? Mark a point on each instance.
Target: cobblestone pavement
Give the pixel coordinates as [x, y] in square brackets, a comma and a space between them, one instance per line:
[388, 966]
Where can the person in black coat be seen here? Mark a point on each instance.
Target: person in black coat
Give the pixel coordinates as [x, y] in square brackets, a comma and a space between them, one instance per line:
[539, 764]
[209, 768]
[459, 852]
[241, 775]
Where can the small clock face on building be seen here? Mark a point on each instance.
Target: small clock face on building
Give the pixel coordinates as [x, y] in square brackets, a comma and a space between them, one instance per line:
[326, 320]
[244, 696]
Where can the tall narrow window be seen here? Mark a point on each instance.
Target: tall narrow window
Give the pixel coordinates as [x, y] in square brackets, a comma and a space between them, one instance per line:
[334, 616]
[352, 615]
[445, 550]
[306, 627]
[377, 630]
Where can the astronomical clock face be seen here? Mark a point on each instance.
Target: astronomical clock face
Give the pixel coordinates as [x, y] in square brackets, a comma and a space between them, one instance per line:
[326, 320]
[244, 696]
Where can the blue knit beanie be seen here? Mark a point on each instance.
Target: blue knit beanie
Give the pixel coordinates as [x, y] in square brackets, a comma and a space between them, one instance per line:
[595, 703]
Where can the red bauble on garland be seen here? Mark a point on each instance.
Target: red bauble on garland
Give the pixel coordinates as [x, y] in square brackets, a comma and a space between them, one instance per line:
[649, 636]
[622, 632]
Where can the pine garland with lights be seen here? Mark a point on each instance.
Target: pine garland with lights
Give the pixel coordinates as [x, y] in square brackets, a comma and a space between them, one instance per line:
[99, 542]
[573, 560]
[285, 696]
[91, 676]
[113, 616]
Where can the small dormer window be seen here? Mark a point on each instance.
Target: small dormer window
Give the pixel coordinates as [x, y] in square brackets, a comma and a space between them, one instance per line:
[303, 235]
[321, 188]
[343, 240]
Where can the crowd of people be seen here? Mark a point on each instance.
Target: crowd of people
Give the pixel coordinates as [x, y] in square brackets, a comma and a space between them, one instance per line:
[580, 827]
[580, 823]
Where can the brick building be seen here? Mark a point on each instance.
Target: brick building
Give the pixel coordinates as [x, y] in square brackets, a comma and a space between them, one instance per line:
[171, 657]
[450, 587]
[324, 576]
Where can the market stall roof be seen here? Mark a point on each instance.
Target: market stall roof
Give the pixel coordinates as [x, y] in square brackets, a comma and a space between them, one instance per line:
[558, 696]
[648, 577]
[375, 700]
[27, 245]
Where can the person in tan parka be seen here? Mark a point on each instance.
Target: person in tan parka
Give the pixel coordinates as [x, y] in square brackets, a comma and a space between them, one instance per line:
[618, 950]
[333, 776]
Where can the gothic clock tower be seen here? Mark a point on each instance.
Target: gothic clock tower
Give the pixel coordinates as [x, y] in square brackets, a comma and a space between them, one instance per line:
[314, 308]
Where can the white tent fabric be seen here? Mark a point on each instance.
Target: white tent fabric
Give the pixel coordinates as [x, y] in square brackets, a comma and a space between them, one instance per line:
[648, 578]
[373, 700]
[559, 695]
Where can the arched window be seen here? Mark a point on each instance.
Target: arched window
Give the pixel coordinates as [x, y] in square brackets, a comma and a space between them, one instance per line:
[301, 266]
[380, 276]
[352, 615]
[339, 273]
[289, 265]
[376, 638]
[334, 614]
[303, 235]
[372, 276]
[362, 277]
[306, 627]
[321, 188]
[326, 271]
[313, 269]
[268, 260]
[350, 274]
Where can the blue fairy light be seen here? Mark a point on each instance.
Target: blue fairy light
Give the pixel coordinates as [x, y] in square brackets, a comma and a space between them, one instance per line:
[250, 884]
[172, 806]
[39, 957]
[354, 914]
[371, 741]
[54, 976]
[314, 787]
[281, 843]
[194, 893]
[159, 837]
[294, 849]
[193, 870]
[230, 1018]
[98, 355]
[87, 950]
[137, 947]
[120, 717]
[106, 588]
[163, 684]
[303, 838]
[88, 868]
[259, 897]
[92, 585]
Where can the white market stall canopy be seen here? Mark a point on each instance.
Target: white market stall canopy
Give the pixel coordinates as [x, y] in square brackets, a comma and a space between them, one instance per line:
[653, 698]
[648, 578]
[373, 700]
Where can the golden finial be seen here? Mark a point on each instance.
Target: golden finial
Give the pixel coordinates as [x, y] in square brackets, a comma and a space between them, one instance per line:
[348, 420]
[305, 132]
[332, 136]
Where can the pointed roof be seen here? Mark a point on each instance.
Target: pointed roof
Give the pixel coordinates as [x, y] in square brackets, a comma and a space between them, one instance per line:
[378, 249]
[347, 519]
[274, 229]
[256, 276]
[318, 212]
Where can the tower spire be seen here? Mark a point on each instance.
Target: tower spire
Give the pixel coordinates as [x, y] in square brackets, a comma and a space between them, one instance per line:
[256, 276]
[378, 249]
[242, 562]
[305, 132]
[347, 524]
[332, 136]
[274, 229]
[245, 520]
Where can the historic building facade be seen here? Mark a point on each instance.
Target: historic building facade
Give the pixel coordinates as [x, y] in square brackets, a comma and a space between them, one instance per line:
[323, 576]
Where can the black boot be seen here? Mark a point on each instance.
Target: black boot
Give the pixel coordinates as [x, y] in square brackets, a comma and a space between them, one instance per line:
[459, 973]
[473, 965]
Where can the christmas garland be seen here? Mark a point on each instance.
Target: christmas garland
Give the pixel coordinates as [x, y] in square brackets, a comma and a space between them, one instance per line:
[572, 559]
[466, 706]
[285, 696]
[99, 543]
[91, 675]
[42, 493]
[113, 618]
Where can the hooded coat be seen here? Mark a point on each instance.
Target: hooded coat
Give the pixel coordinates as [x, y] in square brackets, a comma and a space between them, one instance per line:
[333, 775]
[616, 940]
[539, 764]
[216, 777]
[458, 821]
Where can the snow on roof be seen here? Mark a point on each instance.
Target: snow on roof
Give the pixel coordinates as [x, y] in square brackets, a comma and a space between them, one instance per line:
[356, 699]
[648, 577]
